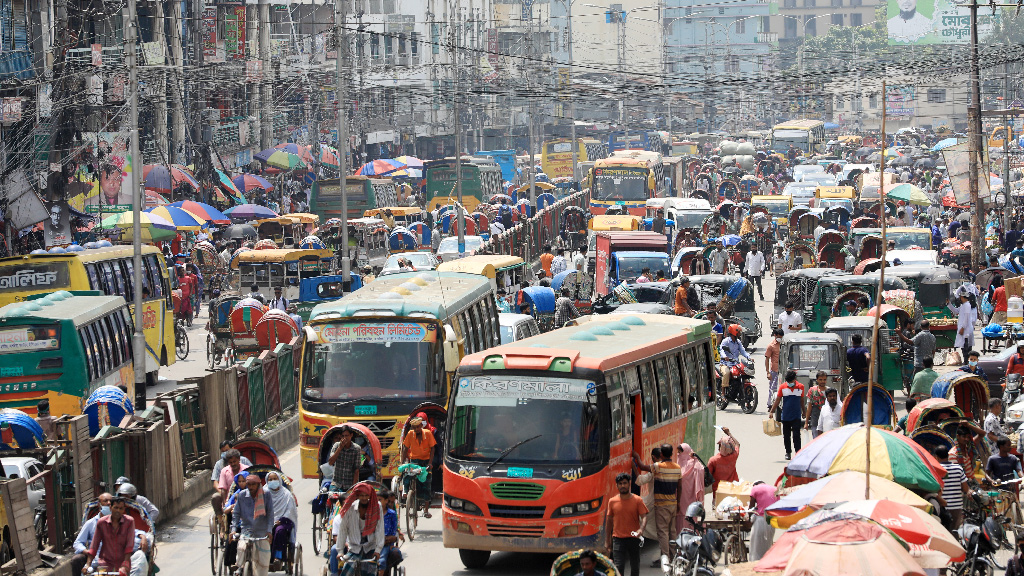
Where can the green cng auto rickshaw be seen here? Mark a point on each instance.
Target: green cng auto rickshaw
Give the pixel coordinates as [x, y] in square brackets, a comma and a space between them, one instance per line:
[797, 284]
[828, 288]
[896, 368]
[933, 285]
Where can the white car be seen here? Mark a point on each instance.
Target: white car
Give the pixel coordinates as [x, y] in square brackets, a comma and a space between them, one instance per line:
[421, 261]
[514, 327]
[801, 193]
[800, 171]
[25, 467]
[448, 249]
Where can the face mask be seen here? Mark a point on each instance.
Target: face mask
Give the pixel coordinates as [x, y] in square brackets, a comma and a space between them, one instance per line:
[104, 510]
[274, 484]
[973, 362]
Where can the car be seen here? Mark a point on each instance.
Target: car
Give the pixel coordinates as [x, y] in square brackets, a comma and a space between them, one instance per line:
[801, 193]
[514, 327]
[819, 179]
[448, 249]
[995, 370]
[800, 171]
[645, 293]
[421, 261]
[644, 308]
[25, 467]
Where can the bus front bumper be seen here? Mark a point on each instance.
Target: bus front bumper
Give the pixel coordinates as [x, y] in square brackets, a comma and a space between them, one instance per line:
[500, 534]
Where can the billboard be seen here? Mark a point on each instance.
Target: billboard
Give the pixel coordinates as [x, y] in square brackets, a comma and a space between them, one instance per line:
[102, 183]
[899, 101]
[958, 160]
[935, 22]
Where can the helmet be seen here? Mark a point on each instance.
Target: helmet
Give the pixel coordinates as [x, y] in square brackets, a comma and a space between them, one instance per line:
[695, 512]
[735, 330]
[127, 490]
[122, 480]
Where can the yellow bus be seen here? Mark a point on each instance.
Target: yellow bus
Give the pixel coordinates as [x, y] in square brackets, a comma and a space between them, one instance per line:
[808, 136]
[109, 270]
[380, 352]
[556, 155]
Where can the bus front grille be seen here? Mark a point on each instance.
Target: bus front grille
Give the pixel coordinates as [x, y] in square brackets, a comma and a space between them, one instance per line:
[515, 531]
[517, 490]
[520, 512]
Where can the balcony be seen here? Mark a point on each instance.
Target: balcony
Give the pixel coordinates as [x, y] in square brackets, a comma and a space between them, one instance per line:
[767, 37]
[16, 65]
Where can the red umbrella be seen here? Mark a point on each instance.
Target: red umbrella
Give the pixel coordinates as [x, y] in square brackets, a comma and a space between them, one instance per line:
[842, 547]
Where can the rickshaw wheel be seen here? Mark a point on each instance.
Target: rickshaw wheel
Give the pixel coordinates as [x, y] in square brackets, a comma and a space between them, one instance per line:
[318, 529]
[411, 517]
[749, 400]
[297, 561]
[214, 543]
[735, 550]
[211, 357]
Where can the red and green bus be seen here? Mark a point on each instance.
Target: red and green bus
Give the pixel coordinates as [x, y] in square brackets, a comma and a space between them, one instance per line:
[538, 429]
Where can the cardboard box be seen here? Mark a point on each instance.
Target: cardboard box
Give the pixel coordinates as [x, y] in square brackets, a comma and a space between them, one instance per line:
[741, 490]
[1013, 287]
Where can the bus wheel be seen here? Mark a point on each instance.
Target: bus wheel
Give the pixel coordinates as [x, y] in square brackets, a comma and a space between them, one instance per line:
[474, 559]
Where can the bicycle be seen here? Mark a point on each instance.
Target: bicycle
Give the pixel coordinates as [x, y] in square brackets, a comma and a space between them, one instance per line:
[352, 561]
[181, 345]
[407, 504]
[245, 562]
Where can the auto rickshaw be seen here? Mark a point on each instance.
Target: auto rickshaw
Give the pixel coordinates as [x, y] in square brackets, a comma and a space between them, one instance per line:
[797, 284]
[503, 271]
[968, 391]
[845, 327]
[712, 288]
[541, 300]
[854, 408]
[897, 362]
[931, 412]
[808, 353]
[580, 285]
[933, 287]
[828, 288]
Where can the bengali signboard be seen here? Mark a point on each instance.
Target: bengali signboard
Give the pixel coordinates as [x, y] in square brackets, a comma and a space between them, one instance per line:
[377, 332]
[899, 101]
[234, 32]
[934, 22]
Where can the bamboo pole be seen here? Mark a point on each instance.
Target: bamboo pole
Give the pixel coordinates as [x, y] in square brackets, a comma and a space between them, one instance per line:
[872, 372]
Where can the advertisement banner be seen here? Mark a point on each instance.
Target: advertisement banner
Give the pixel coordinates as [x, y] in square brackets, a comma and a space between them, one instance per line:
[210, 33]
[107, 188]
[899, 101]
[935, 22]
[378, 332]
[234, 32]
[958, 160]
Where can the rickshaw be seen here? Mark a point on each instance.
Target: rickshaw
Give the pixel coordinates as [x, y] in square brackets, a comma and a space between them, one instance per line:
[839, 306]
[748, 185]
[864, 222]
[818, 307]
[829, 237]
[218, 337]
[897, 362]
[808, 353]
[402, 240]
[806, 224]
[968, 391]
[799, 285]
[934, 286]
[370, 468]
[831, 256]
[931, 437]
[368, 239]
[836, 217]
[541, 301]
[870, 247]
[423, 234]
[204, 256]
[142, 522]
[405, 490]
[728, 190]
[243, 318]
[854, 407]
[258, 452]
[712, 288]
[284, 231]
[275, 327]
[867, 266]
[689, 260]
[581, 288]
[573, 227]
[804, 251]
[568, 564]
[270, 269]
[931, 412]
[714, 226]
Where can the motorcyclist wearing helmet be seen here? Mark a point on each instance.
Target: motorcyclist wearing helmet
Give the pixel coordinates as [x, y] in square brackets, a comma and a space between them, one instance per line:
[732, 348]
[125, 489]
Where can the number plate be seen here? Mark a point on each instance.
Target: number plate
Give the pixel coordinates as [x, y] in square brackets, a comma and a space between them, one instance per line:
[366, 410]
[520, 472]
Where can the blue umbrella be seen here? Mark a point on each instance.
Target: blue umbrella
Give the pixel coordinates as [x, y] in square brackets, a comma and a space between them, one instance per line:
[945, 143]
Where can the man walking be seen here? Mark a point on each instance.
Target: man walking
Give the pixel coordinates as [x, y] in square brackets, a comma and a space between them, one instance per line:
[719, 259]
[923, 343]
[791, 321]
[791, 396]
[626, 520]
[667, 475]
[559, 264]
[857, 358]
[755, 269]
[565, 309]
[279, 302]
[771, 362]
[954, 486]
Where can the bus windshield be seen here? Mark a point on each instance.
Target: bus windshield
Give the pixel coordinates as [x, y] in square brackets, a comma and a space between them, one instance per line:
[373, 360]
[691, 219]
[526, 419]
[632, 267]
[776, 209]
[620, 184]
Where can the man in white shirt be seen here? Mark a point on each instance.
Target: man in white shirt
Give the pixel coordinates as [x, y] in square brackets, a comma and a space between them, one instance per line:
[719, 260]
[579, 261]
[559, 264]
[279, 301]
[356, 528]
[791, 321]
[818, 232]
[755, 268]
[828, 418]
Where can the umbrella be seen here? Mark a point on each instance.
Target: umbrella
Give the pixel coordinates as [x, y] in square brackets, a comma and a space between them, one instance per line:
[892, 153]
[204, 211]
[329, 156]
[280, 159]
[834, 489]
[407, 172]
[246, 212]
[380, 167]
[225, 183]
[154, 199]
[902, 161]
[893, 457]
[730, 240]
[945, 143]
[908, 193]
[838, 547]
[410, 162]
[164, 178]
[911, 524]
[182, 219]
[925, 163]
[239, 232]
[247, 182]
[297, 149]
[153, 227]
[312, 243]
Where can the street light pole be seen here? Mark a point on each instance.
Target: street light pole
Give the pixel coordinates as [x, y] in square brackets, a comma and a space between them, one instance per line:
[572, 99]
[341, 10]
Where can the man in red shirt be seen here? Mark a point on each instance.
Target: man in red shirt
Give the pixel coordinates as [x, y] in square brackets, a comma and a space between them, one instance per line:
[116, 533]
[627, 517]
[1016, 363]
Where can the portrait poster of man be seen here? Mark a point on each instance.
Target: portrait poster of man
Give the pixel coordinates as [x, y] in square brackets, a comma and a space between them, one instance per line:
[921, 22]
[105, 165]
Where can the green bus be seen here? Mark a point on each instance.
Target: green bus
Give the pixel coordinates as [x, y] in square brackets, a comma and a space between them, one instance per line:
[61, 347]
[480, 181]
[364, 193]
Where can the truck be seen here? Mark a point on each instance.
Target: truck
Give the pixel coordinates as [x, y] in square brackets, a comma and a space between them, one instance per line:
[622, 255]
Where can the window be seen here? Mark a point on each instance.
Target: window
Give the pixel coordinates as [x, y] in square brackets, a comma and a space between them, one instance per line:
[766, 25]
[873, 101]
[837, 4]
[856, 19]
[811, 26]
[617, 401]
[650, 394]
[389, 46]
[115, 341]
[690, 369]
[721, 10]
[741, 26]
[94, 277]
[90, 353]
[664, 389]
[839, 103]
[435, 38]
[789, 4]
[856, 3]
[373, 7]
[936, 95]
[810, 4]
[127, 266]
[789, 27]
[674, 381]
[837, 19]
[414, 45]
[401, 45]
[375, 46]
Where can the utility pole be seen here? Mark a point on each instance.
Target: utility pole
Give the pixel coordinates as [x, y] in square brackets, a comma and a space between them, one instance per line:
[139, 338]
[572, 100]
[460, 214]
[533, 162]
[974, 142]
[1007, 197]
[340, 20]
[198, 108]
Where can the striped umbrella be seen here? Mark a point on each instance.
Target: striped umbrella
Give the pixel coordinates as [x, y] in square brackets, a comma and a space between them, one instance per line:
[154, 199]
[153, 227]
[329, 156]
[299, 150]
[225, 183]
[312, 243]
[164, 178]
[182, 219]
[380, 167]
[246, 212]
[204, 211]
[248, 182]
[410, 161]
[281, 159]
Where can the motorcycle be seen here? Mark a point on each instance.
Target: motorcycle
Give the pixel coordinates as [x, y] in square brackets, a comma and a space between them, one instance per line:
[981, 543]
[1011, 389]
[697, 551]
[740, 388]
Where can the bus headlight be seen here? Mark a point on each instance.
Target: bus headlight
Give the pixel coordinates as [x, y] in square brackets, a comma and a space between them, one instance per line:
[578, 508]
[463, 506]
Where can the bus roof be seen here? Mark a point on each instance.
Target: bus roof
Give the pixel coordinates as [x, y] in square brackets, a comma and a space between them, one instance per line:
[438, 294]
[602, 343]
[771, 199]
[612, 162]
[638, 155]
[485, 264]
[61, 305]
[604, 222]
[87, 255]
[282, 255]
[395, 211]
[798, 125]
